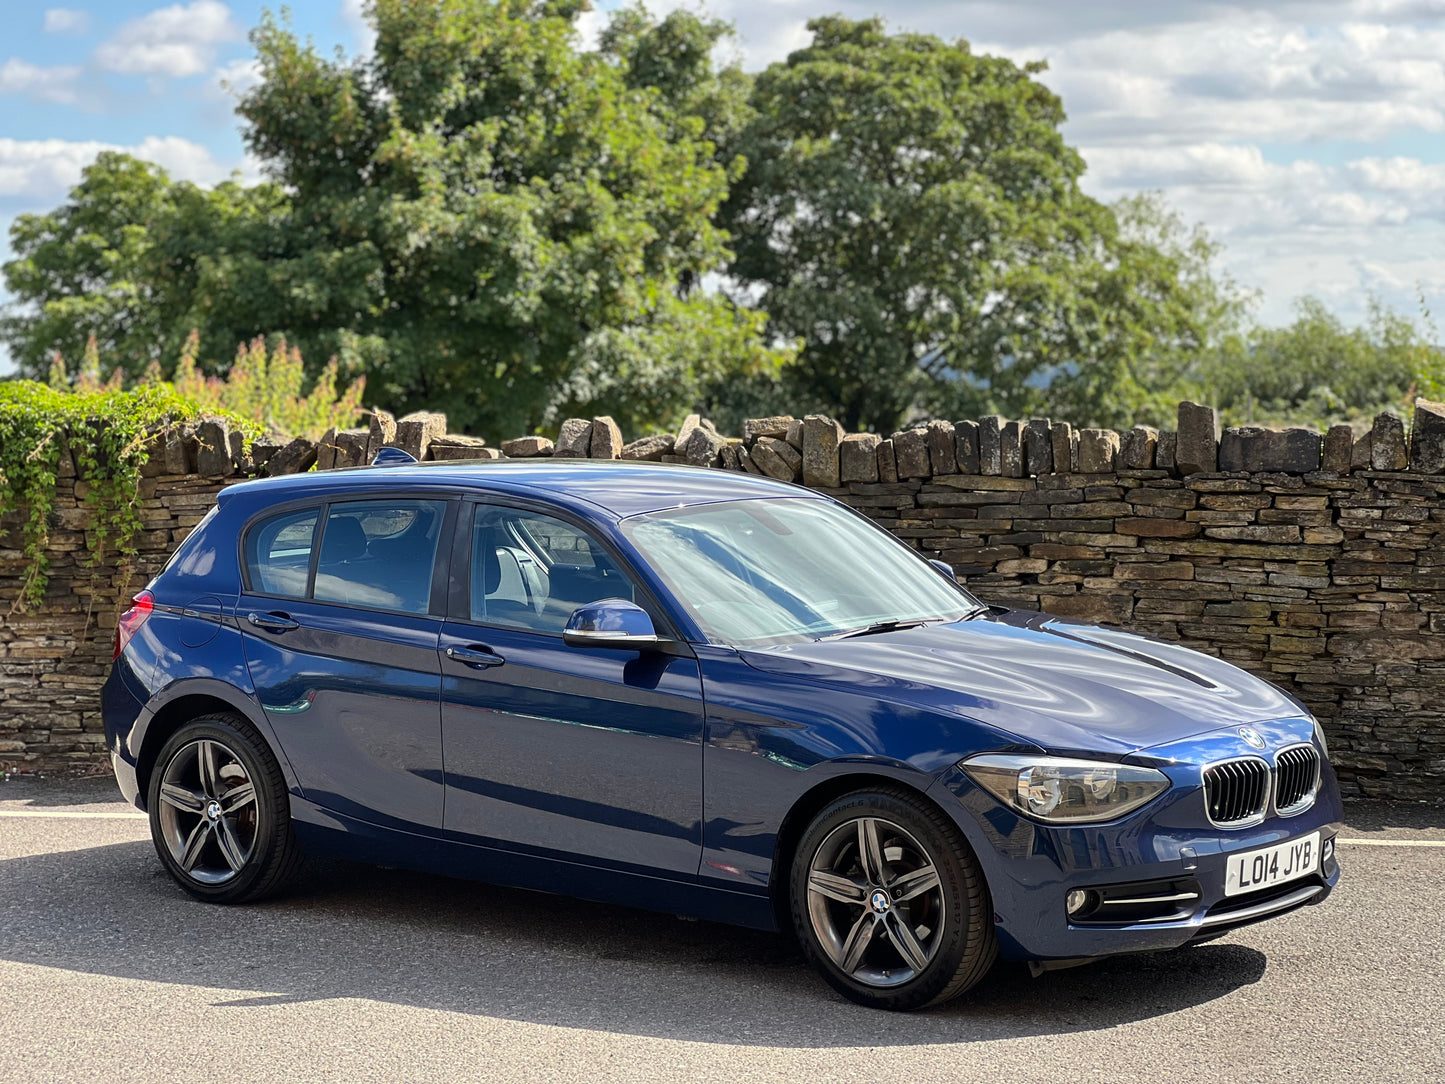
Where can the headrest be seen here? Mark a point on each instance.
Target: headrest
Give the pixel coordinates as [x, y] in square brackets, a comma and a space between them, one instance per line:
[344, 541]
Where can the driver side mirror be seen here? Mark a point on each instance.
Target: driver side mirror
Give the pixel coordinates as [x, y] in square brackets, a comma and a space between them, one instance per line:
[946, 569]
[613, 622]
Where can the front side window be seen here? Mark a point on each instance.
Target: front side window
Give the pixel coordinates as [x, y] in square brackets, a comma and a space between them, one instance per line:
[790, 569]
[380, 554]
[531, 571]
[278, 553]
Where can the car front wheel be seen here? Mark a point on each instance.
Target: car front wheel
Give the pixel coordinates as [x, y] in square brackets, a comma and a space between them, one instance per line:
[219, 814]
[889, 903]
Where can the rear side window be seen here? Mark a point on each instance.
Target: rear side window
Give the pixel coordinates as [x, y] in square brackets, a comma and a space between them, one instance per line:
[380, 554]
[278, 553]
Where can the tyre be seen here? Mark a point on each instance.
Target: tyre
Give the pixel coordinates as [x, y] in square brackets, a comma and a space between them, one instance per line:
[219, 813]
[889, 903]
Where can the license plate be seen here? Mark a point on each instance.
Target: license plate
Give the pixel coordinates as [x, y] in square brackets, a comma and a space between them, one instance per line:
[1287, 861]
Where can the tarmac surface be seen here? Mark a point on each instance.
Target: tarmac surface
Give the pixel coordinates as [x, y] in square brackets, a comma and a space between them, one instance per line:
[109, 972]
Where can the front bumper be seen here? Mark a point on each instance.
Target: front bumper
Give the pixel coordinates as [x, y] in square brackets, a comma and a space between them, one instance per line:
[1167, 853]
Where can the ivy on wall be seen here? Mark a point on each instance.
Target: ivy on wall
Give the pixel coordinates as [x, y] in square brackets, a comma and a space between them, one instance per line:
[106, 432]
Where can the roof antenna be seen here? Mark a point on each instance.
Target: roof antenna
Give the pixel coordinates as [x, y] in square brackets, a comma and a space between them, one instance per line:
[394, 457]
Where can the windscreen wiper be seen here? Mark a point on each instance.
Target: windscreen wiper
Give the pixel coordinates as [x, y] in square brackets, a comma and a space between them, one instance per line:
[876, 627]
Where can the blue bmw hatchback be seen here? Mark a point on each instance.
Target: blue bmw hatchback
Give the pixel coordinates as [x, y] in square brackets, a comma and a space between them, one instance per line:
[702, 693]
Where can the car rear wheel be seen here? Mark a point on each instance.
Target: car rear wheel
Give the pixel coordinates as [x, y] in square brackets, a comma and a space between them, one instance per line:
[219, 814]
[889, 903]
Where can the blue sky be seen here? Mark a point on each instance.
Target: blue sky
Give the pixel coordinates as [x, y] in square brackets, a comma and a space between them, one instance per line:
[1308, 137]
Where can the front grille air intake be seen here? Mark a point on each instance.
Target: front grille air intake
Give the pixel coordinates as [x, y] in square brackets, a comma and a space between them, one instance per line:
[1236, 791]
[1297, 777]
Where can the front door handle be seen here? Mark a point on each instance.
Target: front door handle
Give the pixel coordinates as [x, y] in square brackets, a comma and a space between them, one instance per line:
[479, 657]
[273, 622]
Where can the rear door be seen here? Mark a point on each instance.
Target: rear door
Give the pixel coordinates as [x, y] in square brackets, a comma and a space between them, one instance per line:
[340, 616]
[589, 754]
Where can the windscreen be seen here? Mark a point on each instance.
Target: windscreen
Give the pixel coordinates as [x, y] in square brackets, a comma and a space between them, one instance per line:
[775, 571]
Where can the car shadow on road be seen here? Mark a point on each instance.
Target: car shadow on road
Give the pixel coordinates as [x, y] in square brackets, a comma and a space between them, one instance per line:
[456, 946]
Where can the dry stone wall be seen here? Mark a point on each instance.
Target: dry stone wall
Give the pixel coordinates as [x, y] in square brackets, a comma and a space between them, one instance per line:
[1316, 560]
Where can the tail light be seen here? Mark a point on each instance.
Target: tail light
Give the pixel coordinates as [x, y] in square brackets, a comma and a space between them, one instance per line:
[131, 621]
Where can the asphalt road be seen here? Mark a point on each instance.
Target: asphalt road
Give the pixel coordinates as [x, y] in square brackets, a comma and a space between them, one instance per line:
[108, 972]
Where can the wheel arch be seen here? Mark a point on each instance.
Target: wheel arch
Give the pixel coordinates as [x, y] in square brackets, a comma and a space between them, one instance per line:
[812, 801]
[181, 703]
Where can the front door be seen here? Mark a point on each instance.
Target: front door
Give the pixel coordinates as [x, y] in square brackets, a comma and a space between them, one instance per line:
[586, 754]
[341, 644]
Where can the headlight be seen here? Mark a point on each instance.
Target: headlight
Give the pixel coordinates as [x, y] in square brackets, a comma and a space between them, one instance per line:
[1320, 737]
[1064, 791]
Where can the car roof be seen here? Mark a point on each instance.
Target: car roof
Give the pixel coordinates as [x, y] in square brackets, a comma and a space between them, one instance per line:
[618, 487]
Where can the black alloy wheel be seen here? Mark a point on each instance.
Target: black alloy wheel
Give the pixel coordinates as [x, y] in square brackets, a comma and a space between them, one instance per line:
[889, 903]
[219, 813]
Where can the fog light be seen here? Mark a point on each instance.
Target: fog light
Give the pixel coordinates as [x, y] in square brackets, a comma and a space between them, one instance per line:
[1328, 850]
[1077, 900]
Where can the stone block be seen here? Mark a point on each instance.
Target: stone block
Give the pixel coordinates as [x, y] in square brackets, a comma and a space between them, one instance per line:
[1164, 450]
[326, 450]
[351, 445]
[821, 435]
[704, 446]
[858, 457]
[459, 447]
[776, 458]
[776, 427]
[1038, 447]
[794, 435]
[1197, 439]
[1011, 450]
[416, 431]
[1362, 451]
[381, 432]
[213, 447]
[296, 457]
[1339, 442]
[910, 448]
[942, 448]
[990, 448]
[965, 446]
[1065, 444]
[887, 462]
[527, 447]
[649, 449]
[574, 440]
[606, 438]
[1137, 448]
[1427, 438]
[1388, 451]
[1098, 451]
[1253, 448]
[175, 453]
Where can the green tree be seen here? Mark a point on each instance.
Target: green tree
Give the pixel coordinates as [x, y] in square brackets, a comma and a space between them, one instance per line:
[911, 210]
[512, 211]
[80, 271]
[1317, 371]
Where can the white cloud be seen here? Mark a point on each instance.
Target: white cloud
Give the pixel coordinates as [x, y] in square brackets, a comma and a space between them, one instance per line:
[66, 21]
[353, 14]
[41, 170]
[56, 84]
[236, 78]
[178, 41]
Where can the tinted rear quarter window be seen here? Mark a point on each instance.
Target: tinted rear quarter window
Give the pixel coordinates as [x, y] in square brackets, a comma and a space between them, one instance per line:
[278, 553]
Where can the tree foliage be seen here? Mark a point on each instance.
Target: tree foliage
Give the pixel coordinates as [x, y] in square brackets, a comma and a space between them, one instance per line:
[912, 212]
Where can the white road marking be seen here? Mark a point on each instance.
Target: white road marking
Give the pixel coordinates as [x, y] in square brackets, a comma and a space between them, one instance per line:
[1393, 842]
[39, 813]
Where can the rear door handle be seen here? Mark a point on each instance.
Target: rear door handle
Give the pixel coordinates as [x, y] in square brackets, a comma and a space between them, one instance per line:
[274, 622]
[479, 657]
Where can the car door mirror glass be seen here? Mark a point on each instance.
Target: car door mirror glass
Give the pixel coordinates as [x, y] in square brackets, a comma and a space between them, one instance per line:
[612, 622]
